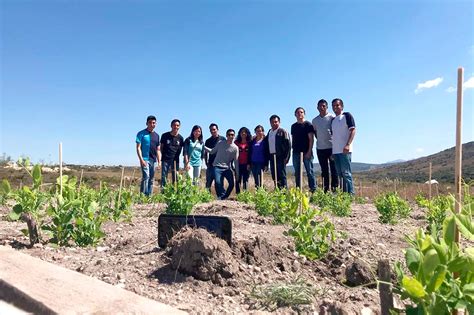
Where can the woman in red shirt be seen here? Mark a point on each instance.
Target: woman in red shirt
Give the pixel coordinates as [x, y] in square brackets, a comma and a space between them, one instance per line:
[243, 143]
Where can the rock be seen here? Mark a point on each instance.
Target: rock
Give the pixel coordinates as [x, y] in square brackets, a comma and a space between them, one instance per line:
[366, 311]
[358, 272]
[217, 291]
[102, 248]
[295, 266]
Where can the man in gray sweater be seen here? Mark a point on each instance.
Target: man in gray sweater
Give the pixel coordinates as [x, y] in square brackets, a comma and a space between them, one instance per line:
[226, 153]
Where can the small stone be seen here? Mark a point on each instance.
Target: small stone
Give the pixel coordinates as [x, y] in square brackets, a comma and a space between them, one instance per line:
[102, 248]
[119, 276]
[99, 261]
[216, 291]
[366, 311]
[38, 245]
[257, 269]
[295, 265]
[120, 285]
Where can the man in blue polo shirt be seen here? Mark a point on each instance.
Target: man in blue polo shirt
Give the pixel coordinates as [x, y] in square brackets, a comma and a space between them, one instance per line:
[148, 151]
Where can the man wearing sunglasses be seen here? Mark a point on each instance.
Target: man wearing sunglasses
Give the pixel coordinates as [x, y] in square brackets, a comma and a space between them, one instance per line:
[226, 157]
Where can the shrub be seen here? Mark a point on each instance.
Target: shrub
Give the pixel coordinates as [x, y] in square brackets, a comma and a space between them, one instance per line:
[392, 208]
[183, 195]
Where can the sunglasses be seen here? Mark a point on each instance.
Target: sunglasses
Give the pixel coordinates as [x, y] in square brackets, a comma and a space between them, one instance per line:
[230, 134]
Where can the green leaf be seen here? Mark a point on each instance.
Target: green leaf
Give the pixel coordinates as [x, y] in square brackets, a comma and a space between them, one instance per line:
[442, 251]
[5, 188]
[18, 208]
[448, 230]
[430, 262]
[465, 226]
[413, 287]
[437, 279]
[413, 258]
[458, 264]
[14, 216]
[36, 176]
[468, 291]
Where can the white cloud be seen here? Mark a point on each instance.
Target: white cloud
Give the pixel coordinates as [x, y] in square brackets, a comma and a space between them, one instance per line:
[419, 150]
[428, 84]
[469, 84]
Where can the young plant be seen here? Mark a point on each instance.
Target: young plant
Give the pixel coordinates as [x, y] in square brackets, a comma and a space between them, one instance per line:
[245, 196]
[29, 203]
[183, 195]
[442, 274]
[5, 192]
[392, 208]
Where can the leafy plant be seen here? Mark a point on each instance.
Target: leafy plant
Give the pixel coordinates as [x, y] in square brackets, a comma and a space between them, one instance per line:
[433, 260]
[339, 203]
[392, 208]
[181, 197]
[245, 196]
[29, 202]
[88, 224]
[312, 231]
[5, 192]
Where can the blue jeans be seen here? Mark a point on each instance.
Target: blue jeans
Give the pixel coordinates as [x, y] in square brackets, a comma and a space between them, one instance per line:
[343, 168]
[210, 176]
[280, 172]
[243, 178]
[148, 175]
[165, 168]
[257, 173]
[220, 174]
[308, 165]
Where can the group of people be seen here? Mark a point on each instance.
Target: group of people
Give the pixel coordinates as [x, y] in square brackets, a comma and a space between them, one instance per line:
[238, 155]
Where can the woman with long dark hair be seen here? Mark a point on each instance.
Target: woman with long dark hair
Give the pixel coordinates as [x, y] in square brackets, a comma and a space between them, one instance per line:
[194, 153]
[243, 143]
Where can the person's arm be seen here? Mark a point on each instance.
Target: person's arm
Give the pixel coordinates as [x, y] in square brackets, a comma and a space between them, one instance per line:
[158, 156]
[287, 141]
[185, 155]
[139, 153]
[352, 133]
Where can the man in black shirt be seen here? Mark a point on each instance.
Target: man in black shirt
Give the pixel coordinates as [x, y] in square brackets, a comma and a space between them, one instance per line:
[170, 146]
[302, 135]
[209, 158]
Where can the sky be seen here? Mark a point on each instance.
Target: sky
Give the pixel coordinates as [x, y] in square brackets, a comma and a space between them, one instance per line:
[88, 73]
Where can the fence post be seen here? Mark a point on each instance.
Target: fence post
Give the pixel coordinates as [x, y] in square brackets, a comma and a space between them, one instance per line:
[385, 288]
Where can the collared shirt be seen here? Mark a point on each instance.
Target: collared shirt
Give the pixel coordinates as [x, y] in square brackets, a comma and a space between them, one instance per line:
[271, 140]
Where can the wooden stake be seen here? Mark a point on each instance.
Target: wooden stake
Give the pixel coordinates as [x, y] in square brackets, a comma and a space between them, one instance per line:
[301, 171]
[385, 288]
[458, 161]
[275, 169]
[120, 189]
[61, 168]
[132, 179]
[175, 176]
[429, 183]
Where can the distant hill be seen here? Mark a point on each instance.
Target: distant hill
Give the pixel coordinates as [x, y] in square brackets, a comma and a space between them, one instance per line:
[418, 170]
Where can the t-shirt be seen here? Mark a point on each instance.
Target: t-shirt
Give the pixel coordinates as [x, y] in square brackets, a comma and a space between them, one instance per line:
[322, 127]
[243, 152]
[211, 143]
[149, 143]
[258, 152]
[340, 132]
[194, 150]
[171, 148]
[225, 154]
[299, 136]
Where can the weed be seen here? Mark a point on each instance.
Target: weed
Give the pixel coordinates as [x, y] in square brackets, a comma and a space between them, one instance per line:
[392, 208]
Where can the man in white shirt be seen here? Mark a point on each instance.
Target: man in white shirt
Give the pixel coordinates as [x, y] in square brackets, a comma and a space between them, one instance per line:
[343, 133]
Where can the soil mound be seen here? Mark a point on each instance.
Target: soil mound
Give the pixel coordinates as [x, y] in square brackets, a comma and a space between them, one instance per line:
[204, 256]
[358, 273]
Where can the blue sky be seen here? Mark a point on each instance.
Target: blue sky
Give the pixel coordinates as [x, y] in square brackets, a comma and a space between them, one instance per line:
[87, 73]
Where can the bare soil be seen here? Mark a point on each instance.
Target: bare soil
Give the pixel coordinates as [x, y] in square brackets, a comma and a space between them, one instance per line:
[201, 274]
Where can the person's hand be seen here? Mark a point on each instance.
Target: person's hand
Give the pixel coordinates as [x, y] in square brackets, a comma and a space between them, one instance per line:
[248, 167]
[187, 167]
[158, 165]
[308, 155]
[346, 149]
[143, 163]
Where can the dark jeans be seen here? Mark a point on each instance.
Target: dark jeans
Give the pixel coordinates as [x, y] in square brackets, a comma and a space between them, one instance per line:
[326, 161]
[165, 168]
[308, 165]
[243, 178]
[280, 172]
[343, 167]
[210, 176]
[220, 174]
[257, 169]
[148, 175]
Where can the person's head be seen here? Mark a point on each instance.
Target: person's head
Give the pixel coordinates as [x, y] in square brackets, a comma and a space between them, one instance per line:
[214, 130]
[244, 133]
[275, 121]
[196, 133]
[323, 107]
[337, 106]
[175, 124]
[299, 113]
[230, 134]
[259, 131]
[150, 123]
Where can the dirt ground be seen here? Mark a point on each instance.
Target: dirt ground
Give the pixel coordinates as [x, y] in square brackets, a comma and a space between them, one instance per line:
[260, 254]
